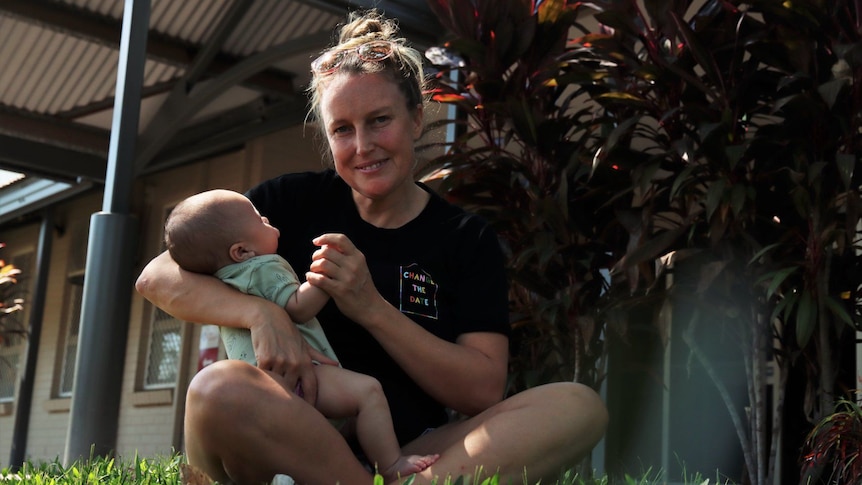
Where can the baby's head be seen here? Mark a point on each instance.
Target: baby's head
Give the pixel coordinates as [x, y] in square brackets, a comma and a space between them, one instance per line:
[215, 228]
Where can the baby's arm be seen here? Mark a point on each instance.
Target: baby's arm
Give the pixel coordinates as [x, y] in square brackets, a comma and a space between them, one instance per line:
[306, 302]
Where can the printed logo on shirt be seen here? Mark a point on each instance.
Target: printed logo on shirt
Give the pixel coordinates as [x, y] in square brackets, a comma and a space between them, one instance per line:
[418, 292]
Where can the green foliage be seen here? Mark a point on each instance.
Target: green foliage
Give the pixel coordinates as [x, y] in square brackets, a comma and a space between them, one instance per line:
[100, 470]
[166, 470]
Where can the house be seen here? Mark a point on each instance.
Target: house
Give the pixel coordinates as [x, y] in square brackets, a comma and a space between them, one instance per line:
[221, 105]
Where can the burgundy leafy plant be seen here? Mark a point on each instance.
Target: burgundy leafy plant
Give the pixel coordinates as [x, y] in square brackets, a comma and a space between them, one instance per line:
[833, 449]
[10, 302]
[715, 141]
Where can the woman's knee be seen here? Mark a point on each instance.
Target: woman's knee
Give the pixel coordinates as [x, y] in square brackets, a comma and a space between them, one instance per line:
[584, 405]
[207, 409]
[217, 388]
[580, 394]
[212, 378]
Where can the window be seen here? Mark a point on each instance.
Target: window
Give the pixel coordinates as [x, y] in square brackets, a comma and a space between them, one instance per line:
[164, 347]
[163, 351]
[70, 342]
[67, 349]
[12, 348]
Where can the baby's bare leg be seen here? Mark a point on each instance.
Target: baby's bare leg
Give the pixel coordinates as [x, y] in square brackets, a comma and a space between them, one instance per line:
[342, 393]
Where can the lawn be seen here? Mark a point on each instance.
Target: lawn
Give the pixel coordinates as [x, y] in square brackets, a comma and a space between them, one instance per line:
[168, 471]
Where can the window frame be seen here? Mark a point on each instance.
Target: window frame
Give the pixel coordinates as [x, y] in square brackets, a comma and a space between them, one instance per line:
[156, 318]
[71, 321]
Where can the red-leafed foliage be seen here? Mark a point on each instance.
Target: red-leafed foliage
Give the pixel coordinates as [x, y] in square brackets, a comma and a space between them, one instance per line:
[833, 449]
[10, 302]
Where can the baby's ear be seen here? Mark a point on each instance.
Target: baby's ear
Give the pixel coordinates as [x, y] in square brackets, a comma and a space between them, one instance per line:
[239, 252]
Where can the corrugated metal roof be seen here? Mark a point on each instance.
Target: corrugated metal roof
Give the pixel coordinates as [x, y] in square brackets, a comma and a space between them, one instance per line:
[109, 8]
[49, 72]
[60, 60]
[271, 22]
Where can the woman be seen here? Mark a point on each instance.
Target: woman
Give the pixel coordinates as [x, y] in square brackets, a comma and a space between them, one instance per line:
[418, 301]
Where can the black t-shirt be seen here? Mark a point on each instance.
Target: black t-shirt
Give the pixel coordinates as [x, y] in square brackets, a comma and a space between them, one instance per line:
[444, 270]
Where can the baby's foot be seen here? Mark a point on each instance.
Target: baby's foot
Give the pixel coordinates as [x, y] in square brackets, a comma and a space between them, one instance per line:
[408, 465]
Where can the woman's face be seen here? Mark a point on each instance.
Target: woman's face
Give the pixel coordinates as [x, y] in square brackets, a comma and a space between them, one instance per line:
[370, 133]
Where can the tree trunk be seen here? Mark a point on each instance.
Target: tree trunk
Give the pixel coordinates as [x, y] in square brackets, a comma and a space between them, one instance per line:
[741, 430]
[758, 403]
[825, 352]
[775, 445]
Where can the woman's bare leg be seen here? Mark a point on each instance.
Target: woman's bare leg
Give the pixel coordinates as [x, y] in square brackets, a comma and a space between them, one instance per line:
[342, 393]
[543, 430]
[243, 426]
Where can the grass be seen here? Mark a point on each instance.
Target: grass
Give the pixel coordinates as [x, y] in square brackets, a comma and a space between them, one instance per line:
[103, 471]
[167, 471]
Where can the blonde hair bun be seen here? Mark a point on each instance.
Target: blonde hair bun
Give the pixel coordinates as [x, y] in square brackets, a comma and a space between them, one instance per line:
[364, 26]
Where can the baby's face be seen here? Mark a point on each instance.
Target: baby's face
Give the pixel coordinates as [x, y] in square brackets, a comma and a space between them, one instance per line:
[260, 236]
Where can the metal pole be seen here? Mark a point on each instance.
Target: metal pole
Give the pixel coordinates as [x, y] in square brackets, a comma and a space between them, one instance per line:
[34, 332]
[111, 248]
[127, 106]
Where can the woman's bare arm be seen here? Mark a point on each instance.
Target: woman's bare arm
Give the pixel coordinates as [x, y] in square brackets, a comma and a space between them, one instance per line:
[468, 376]
[193, 297]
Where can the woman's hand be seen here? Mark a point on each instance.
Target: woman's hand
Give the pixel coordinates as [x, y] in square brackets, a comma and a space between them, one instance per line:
[468, 375]
[281, 350]
[339, 269]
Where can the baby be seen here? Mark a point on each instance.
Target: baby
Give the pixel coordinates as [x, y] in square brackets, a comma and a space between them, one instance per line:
[220, 232]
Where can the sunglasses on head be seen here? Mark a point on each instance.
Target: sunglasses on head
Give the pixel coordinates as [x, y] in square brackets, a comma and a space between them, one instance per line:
[374, 51]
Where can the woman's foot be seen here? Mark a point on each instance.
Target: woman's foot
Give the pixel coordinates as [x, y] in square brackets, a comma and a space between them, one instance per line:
[408, 465]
